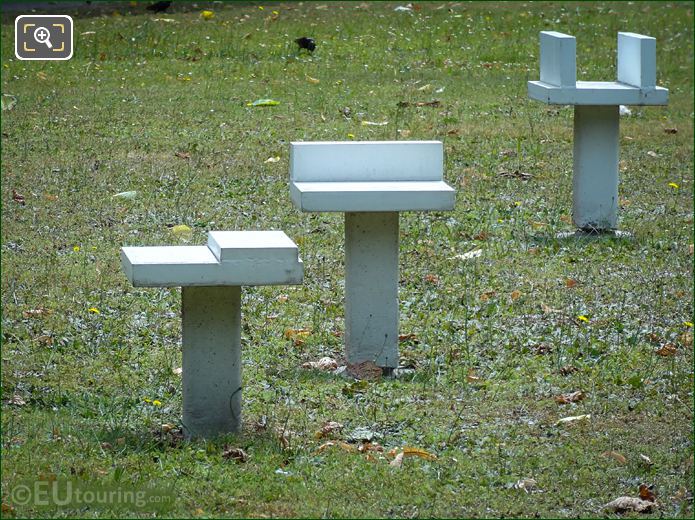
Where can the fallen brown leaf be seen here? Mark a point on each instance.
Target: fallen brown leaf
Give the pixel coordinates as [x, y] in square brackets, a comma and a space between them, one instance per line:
[619, 457]
[653, 337]
[487, 295]
[572, 397]
[432, 278]
[398, 461]
[235, 454]
[16, 400]
[409, 451]
[183, 155]
[45, 339]
[340, 444]
[567, 370]
[667, 350]
[370, 446]
[364, 370]
[646, 493]
[36, 312]
[297, 336]
[527, 484]
[670, 130]
[686, 339]
[328, 428]
[548, 310]
[646, 460]
[570, 282]
[626, 504]
[472, 378]
[325, 363]
[515, 295]
[407, 337]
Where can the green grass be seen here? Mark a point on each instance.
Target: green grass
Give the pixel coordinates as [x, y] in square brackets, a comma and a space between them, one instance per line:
[139, 90]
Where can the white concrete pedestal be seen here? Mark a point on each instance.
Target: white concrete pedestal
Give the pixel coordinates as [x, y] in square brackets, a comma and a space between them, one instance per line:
[211, 325]
[371, 288]
[596, 118]
[595, 180]
[370, 181]
[210, 278]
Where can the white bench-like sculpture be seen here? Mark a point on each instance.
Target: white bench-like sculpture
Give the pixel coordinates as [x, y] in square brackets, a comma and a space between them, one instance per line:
[210, 278]
[370, 182]
[596, 116]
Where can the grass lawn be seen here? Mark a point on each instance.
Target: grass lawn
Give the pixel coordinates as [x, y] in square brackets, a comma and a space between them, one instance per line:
[158, 104]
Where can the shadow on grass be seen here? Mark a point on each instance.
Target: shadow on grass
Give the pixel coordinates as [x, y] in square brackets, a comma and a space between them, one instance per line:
[580, 238]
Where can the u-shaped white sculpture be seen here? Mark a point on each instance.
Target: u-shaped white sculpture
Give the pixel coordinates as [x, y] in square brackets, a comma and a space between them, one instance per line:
[597, 116]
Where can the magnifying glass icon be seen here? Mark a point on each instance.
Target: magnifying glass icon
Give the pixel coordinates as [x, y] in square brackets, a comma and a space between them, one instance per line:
[42, 35]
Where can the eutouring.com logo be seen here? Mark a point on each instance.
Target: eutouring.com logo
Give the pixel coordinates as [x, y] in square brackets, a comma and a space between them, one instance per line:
[74, 494]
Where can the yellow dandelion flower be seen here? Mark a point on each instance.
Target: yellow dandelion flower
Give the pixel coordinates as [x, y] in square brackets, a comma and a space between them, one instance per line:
[207, 15]
[261, 8]
[94, 310]
[673, 185]
[147, 400]
[688, 323]
[351, 136]
[76, 249]
[157, 402]
[583, 318]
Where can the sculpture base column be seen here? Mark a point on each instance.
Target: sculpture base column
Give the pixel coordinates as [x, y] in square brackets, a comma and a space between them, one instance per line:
[595, 179]
[371, 288]
[211, 331]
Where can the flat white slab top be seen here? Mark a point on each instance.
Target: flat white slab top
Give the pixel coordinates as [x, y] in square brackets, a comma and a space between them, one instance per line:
[230, 258]
[373, 196]
[597, 93]
[251, 246]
